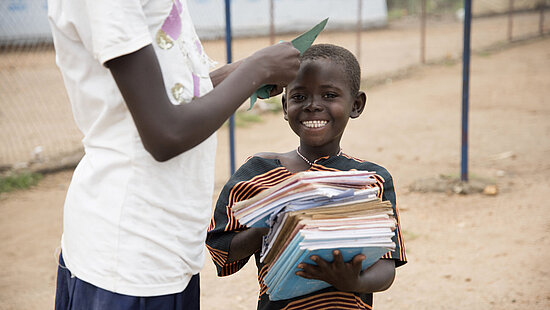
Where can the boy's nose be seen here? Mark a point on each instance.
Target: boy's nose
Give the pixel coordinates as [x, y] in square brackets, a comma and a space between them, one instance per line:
[312, 105]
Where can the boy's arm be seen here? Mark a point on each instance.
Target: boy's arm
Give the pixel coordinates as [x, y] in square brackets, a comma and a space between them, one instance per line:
[348, 277]
[167, 130]
[245, 243]
[230, 243]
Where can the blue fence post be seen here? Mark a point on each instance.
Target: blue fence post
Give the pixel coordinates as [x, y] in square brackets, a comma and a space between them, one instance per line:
[465, 88]
[229, 60]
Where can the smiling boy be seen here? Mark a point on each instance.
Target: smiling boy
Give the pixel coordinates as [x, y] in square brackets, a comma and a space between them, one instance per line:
[317, 106]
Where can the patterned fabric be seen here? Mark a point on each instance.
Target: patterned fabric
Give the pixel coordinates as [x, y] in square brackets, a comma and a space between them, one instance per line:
[258, 174]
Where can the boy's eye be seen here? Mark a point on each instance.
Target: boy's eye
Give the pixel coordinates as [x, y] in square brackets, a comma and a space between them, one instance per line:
[298, 97]
[330, 95]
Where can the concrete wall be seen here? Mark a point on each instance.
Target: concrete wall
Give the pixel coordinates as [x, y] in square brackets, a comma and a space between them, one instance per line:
[26, 22]
[251, 17]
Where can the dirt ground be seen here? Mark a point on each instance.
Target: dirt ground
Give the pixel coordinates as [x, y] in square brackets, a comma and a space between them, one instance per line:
[36, 122]
[464, 251]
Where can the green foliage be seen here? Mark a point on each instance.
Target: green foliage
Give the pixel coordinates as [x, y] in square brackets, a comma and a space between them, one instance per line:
[274, 104]
[243, 119]
[409, 236]
[484, 53]
[472, 176]
[399, 8]
[19, 181]
[397, 13]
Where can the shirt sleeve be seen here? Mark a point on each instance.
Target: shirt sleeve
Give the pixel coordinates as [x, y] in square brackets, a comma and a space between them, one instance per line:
[224, 226]
[388, 193]
[117, 28]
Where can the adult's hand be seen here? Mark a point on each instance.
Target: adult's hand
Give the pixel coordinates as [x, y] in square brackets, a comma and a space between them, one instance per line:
[279, 63]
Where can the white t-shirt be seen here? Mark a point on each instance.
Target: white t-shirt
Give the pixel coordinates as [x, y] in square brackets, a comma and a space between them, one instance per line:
[132, 225]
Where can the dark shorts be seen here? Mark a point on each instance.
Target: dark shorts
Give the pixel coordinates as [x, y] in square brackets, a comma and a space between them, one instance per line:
[75, 294]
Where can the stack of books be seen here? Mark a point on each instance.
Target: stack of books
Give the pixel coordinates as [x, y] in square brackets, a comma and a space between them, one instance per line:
[314, 213]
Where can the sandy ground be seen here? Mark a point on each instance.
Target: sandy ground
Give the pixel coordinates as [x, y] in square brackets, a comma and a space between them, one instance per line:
[474, 251]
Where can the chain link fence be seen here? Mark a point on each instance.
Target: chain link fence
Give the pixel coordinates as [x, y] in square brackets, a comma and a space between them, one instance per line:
[37, 130]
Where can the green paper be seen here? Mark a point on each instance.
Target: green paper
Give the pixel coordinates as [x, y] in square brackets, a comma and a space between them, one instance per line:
[304, 41]
[301, 43]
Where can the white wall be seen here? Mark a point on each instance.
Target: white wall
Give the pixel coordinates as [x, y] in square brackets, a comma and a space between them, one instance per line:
[251, 17]
[25, 21]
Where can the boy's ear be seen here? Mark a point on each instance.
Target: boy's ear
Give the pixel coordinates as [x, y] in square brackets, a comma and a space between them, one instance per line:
[283, 100]
[358, 105]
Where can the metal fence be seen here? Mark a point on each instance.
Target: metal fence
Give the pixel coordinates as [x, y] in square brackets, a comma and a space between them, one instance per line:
[37, 130]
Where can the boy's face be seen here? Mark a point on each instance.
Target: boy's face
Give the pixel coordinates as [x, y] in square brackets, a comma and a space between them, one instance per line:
[319, 104]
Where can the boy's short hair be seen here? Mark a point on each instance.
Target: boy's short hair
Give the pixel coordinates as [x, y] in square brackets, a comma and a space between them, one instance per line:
[341, 56]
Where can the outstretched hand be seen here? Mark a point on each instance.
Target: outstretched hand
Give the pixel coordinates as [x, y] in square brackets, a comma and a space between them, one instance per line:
[279, 63]
[343, 276]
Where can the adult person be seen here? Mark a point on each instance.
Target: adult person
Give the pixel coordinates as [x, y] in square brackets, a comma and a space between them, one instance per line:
[139, 203]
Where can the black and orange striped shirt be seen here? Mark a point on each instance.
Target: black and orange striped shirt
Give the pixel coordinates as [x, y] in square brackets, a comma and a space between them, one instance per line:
[258, 174]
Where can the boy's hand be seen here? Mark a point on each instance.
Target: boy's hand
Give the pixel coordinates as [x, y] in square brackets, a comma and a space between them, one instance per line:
[343, 276]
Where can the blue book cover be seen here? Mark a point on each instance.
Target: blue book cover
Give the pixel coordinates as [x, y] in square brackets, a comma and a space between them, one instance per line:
[284, 260]
[289, 267]
[290, 285]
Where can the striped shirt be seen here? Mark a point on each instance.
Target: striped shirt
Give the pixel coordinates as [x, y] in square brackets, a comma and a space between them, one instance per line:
[259, 174]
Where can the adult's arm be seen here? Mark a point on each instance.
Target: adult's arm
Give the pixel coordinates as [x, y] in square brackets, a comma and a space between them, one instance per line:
[168, 130]
[218, 75]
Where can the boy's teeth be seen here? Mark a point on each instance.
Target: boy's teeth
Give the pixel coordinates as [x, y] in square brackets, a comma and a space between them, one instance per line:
[314, 124]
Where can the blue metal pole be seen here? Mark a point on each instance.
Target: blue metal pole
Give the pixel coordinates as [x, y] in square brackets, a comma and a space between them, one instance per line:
[465, 88]
[229, 60]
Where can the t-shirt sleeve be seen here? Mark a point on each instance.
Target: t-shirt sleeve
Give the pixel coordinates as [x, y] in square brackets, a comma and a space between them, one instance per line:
[388, 193]
[117, 28]
[224, 226]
